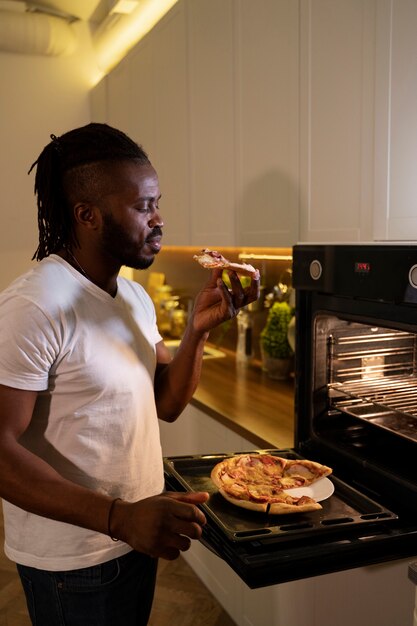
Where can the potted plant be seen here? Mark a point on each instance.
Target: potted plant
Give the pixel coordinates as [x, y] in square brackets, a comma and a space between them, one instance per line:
[275, 350]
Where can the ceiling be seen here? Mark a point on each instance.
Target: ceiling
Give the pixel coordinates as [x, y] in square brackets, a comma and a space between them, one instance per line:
[90, 10]
[33, 27]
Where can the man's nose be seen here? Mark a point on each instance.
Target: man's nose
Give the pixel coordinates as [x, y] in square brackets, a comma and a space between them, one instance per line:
[156, 220]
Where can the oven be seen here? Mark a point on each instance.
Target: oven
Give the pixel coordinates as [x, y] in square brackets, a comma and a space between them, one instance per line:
[355, 410]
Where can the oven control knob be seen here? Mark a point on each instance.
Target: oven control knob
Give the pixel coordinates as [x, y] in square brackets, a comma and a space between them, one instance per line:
[412, 276]
[316, 269]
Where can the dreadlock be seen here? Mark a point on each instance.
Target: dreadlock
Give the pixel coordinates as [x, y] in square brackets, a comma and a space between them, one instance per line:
[69, 164]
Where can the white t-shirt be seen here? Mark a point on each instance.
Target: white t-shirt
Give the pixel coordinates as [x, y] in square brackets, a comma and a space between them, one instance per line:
[92, 359]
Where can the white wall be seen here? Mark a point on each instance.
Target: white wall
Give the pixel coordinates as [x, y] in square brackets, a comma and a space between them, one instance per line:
[39, 96]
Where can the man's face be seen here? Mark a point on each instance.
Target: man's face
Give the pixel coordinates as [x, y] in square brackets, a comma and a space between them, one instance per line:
[131, 223]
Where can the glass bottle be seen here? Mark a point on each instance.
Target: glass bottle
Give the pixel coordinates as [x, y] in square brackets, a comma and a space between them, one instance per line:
[244, 348]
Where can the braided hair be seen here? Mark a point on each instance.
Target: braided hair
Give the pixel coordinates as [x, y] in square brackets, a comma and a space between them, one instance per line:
[69, 168]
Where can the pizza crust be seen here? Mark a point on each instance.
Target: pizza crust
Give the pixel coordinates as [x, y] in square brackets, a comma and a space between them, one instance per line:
[281, 508]
[244, 504]
[276, 508]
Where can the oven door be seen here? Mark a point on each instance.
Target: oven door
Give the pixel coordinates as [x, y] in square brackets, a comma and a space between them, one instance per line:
[351, 529]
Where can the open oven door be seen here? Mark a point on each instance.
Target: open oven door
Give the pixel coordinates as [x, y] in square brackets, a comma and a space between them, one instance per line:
[351, 530]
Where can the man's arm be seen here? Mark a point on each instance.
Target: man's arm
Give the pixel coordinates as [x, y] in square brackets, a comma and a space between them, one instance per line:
[177, 379]
[160, 526]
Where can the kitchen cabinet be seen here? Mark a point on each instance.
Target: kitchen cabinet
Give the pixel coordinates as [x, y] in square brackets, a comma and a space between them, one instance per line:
[221, 133]
[267, 122]
[118, 97]
[169, 149]
[336, 119]
[278, 121]
[358, 128]
[212, 121]
[395, 210]
[195, 432]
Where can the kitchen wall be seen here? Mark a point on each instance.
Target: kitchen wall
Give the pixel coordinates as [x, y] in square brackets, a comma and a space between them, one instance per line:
[39, 95]
[187, 277]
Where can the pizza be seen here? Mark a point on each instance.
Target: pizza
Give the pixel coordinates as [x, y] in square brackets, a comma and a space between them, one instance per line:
[260, 482]
[212, 259]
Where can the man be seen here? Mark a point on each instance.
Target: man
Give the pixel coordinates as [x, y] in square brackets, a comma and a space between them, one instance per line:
[84, 375]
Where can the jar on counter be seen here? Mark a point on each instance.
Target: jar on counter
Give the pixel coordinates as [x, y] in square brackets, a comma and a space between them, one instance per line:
[178, 323]
[165, 302]
[244, 348]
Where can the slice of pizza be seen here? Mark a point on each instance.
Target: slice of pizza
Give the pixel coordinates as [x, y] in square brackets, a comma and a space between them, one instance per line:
[301, 473]
[259, 482]
[211, 259]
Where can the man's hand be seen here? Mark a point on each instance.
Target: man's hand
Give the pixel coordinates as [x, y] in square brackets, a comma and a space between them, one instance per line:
[216, 303]
[161, 526]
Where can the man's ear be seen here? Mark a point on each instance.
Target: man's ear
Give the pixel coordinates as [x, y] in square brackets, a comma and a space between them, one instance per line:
[86, 214]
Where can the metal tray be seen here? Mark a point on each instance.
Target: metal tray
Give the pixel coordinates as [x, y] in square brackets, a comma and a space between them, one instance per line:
[347, 507]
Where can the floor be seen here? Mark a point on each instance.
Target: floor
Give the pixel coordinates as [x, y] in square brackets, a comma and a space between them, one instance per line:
[181, 599]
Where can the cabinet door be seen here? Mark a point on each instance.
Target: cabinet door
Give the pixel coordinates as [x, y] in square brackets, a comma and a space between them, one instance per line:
[142, 96]
[267, 111]
[212, 122]
[118, 97]
[337, 119]
[170, 152]
[195, 432]
[396, 121]
[146, 98]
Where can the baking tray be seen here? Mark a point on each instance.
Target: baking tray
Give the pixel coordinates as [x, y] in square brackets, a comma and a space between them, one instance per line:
[347, 507]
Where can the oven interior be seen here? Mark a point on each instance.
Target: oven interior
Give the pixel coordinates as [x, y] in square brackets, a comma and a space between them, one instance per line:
[364, 403]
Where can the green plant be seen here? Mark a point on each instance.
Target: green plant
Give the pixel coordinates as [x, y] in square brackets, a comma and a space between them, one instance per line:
[273, 337]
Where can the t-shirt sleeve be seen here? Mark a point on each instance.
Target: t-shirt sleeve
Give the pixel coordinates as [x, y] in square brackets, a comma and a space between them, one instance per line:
[28, 345]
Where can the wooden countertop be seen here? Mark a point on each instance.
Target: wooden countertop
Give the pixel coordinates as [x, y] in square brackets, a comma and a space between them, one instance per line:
[245, 400]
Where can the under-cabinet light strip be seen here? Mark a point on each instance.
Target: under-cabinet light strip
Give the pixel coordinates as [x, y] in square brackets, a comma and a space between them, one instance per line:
[265, 257]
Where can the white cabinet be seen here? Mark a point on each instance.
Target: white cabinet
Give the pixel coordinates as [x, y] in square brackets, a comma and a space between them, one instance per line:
[169, 152]
[212, 94]
[276, 121]
[396, 121]
[195, 432]
[336, 120]
[267, 122]
[358, 122]
[212, 121]
[118, 97]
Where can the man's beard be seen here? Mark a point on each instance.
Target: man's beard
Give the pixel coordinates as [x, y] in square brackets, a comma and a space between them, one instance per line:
[117, 243]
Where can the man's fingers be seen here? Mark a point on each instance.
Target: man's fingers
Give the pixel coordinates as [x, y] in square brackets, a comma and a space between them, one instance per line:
[185, 508]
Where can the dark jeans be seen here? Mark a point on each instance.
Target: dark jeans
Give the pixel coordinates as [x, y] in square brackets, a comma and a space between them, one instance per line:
[117, 592]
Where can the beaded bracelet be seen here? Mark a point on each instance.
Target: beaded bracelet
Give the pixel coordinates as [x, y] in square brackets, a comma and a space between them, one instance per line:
[109, 519]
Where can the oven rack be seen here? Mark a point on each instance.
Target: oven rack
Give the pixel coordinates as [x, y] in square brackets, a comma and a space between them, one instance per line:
[388, 402]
